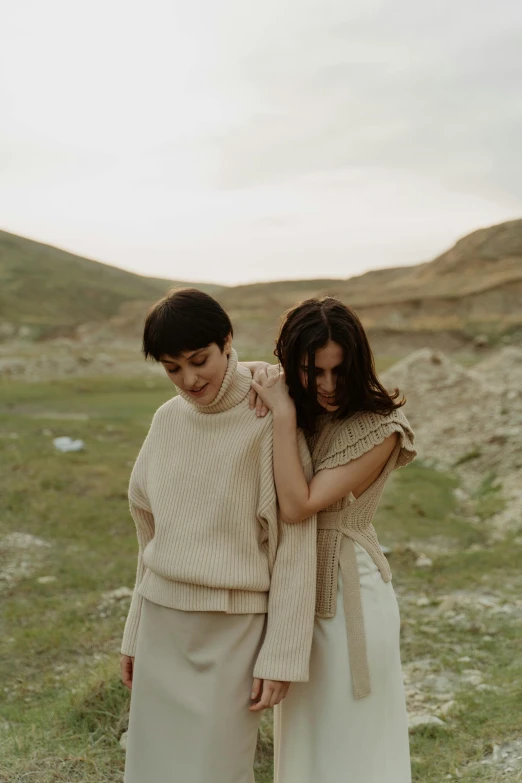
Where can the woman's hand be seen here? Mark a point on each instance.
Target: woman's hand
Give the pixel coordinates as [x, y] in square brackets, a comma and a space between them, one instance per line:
[127, 670]
[269, 385]
[267, 693]
[254, 400]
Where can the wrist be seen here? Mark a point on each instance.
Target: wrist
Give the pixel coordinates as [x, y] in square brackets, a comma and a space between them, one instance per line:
[284, 413]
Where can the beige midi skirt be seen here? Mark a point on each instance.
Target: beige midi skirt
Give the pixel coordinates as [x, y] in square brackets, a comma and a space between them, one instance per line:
[322, 733]
[189, 718]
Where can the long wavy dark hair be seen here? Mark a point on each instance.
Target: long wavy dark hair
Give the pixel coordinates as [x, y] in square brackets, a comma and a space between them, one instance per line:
[308, 327]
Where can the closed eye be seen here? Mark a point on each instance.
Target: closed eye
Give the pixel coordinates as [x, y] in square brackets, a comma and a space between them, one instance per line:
[319, 371]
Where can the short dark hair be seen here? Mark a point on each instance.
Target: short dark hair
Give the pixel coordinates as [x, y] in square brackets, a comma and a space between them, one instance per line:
[309, 326]
[186, 319]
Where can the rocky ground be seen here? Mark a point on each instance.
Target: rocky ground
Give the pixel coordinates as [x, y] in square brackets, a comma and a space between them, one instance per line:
[436, 693]
[469, 421]
[66, 357]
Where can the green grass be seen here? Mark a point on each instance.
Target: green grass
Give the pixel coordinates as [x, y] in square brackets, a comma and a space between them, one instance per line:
[62, 707]
[468, 457]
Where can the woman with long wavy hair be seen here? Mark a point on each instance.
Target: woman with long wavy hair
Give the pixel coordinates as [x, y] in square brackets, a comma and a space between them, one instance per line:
[348, 724]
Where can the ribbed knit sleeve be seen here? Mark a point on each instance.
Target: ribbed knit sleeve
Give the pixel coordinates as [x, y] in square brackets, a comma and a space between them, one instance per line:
[361, 433]
[145, 529]
[285, 652]
[142, 514]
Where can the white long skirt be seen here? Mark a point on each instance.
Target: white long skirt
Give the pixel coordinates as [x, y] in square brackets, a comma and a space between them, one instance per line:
[189, 718]
[323, 734]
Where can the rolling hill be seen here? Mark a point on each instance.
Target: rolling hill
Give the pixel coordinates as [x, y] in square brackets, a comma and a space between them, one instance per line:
[49, 291]
[475, 288]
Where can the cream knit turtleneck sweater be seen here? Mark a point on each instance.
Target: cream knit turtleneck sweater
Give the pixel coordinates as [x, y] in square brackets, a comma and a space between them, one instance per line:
[203, 497]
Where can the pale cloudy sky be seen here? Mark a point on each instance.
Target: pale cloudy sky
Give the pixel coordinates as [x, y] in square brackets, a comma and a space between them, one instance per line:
[229, 140]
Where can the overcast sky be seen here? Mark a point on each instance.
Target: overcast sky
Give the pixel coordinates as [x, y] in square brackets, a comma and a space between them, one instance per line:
[231, 141]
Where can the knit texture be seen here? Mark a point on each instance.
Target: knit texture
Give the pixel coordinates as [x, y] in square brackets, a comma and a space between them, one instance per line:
[337, 442]
[203, 498]
[349, 520]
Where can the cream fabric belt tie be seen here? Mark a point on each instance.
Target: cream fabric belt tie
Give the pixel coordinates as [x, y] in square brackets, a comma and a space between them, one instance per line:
[353, 609]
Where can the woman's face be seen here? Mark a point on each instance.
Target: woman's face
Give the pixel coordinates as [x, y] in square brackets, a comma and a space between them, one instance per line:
[328, 362]
[199, 373]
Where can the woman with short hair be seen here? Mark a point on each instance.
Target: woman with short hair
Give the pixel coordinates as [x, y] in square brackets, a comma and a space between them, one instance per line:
[221, 617]
[348, 723]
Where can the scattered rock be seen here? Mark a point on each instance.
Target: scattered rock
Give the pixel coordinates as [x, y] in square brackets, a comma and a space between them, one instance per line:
[123, 740]
[506, 757]
[118, 594]
[66, 444]
[448, 707]
[12, 367]
[114, 600]
[483, 686]
[45, 580]
[431, 629]
[475, 547]
[22, 541]
[416, 722]
[423, 561]
[481, 341]
[460, 495]
[472, 676]
[448, 604]
[21, 554]
[441, 684]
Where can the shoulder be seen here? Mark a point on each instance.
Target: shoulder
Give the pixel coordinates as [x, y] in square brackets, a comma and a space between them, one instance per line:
[354, 436]
[367, 424]
[168, 408]
[165, 415]
[364, 423]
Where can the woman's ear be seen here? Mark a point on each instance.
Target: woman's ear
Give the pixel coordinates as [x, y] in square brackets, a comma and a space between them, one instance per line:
[228, 345]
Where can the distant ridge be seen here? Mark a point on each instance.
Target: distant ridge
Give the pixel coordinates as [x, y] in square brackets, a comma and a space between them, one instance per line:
[473, 289]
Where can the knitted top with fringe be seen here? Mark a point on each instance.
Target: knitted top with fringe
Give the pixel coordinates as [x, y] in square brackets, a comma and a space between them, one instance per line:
[337, 442]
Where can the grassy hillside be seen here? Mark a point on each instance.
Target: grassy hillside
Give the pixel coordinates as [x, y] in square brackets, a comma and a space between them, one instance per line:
[50, 290]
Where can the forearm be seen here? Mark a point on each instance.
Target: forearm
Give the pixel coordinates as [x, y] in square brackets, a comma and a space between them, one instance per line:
[285, 653]
[293, 492]
[145, 530]
[130, 633]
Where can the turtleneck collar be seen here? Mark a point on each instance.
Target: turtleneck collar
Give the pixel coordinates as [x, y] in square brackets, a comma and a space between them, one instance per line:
[235, 387]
